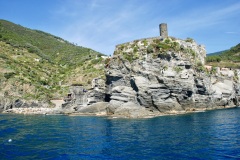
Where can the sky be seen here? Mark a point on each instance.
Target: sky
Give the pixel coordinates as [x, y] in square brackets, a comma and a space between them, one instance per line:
[102, 24]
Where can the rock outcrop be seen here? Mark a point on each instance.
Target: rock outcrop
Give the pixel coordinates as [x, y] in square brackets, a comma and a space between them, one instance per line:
[147, 78]
[158, 76]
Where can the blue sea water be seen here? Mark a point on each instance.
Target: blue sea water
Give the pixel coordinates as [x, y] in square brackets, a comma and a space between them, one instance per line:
[205, 135]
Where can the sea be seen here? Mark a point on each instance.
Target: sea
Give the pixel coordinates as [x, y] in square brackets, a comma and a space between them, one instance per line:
[199, 136]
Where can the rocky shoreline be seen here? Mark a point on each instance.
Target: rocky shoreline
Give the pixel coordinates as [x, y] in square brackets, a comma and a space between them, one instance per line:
[57, 111]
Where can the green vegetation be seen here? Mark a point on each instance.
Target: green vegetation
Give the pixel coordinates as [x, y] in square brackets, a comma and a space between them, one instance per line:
[189, 40]
[38, 65]
[177, 69]
[213, 59]
[128, 56]
[158, 48]
[150, 49]
[145, 43]
[199, 67]
[167, 44]
[229, 58]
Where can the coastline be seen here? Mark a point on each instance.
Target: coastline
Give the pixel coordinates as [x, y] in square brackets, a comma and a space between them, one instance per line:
[56, 111]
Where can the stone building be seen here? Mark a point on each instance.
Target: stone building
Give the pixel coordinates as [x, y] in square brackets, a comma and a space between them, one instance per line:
[163, 30]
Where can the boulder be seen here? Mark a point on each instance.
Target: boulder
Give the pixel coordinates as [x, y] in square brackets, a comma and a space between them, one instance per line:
[96, 108]
[113, 105]
[131, 110]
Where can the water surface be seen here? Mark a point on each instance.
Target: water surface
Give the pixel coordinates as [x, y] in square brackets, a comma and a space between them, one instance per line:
[205, 135]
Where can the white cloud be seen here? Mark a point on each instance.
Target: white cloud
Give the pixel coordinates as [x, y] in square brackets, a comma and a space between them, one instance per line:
[101, 24]
[204, 17]
[102, 30]
[232, 33]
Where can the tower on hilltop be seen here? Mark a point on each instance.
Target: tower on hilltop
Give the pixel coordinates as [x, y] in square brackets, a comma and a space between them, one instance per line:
[163, 30]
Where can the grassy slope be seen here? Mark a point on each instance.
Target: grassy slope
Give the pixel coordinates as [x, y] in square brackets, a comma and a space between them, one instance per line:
[229, 58]
[215, 53]
[37, 65]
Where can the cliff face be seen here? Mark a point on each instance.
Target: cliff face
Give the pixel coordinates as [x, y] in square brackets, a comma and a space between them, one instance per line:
[146, 78]
[162, 76]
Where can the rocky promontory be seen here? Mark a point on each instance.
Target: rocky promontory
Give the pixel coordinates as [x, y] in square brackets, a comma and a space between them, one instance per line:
[152, 77]
[166, 76]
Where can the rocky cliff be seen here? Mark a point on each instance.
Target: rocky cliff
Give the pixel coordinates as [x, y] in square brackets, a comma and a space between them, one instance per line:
[146, 78]
[158, 76]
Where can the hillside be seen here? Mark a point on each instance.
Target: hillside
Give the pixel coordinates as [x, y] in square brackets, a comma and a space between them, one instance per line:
[229, 58]
[38, 65]
[215, 53]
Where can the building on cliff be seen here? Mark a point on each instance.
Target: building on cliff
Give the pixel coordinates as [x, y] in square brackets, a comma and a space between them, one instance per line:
[166, 75]
[157, 76]
[163, 30]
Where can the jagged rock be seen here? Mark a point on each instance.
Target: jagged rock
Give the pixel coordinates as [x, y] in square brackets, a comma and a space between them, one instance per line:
[123, 93]
[131, 110]
[113, 105]
[95, 95]
[165, 81]
[96, 108]
[18, 103]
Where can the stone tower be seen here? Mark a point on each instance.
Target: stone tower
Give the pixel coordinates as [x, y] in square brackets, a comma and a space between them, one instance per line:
[163, 30]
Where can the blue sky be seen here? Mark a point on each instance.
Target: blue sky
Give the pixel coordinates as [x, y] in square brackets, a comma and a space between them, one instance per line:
[102, 24]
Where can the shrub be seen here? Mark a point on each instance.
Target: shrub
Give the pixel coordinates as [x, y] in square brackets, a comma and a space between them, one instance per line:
[200, 67]
[135, 49]
[95, 61]
[177, 69]
[121, 47]
[176, 46]
[9, 75]
[167, 41]
[77, 83]
[192, 52]
[165, 68]
[164, 56]
[150, 49]
[213, 70]
[213, 59]
[163, 46]
[189, 40]
[145, 42]
[128, 57]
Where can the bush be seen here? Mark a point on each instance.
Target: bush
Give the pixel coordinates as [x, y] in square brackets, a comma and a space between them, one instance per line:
[200, 67]
[95, 61]
[9, 75]
[192, 52]
[128, 57]
[145, 42]
[121, 47]
[177, 69]
[213, 59]
[167, 41]
[213, 70]
[135, 49]
[150, 49]
[189, 40]
[163, 46]
[175, 46]
[164, 56]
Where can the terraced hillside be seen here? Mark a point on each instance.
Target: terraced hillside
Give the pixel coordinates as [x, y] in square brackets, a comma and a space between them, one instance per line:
[38, 65]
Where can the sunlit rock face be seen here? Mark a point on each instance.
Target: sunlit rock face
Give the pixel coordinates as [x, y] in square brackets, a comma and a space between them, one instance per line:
[166, 75]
